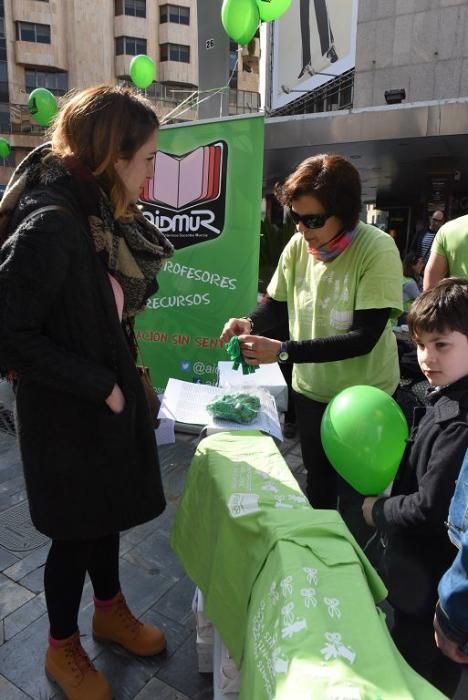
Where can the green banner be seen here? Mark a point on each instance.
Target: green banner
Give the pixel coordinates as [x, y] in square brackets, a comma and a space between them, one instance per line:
[205, 197]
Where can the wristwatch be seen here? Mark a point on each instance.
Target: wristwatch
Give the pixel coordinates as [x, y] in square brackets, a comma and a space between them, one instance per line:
[283, 355]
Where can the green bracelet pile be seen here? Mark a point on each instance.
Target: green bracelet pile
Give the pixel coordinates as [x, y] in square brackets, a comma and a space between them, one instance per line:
[239, 407]
[235, 354]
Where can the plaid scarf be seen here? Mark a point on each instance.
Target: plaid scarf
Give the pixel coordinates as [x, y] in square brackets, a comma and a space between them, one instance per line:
[132, 250]
[329, 251]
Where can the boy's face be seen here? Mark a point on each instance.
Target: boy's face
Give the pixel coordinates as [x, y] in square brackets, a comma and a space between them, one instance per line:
[443, 357]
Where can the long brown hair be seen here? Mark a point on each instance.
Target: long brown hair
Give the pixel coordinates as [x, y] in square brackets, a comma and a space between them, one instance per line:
[99, 125]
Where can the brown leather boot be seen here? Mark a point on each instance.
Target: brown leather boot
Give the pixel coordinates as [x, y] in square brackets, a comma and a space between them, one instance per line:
[68, 665]
[113, 622]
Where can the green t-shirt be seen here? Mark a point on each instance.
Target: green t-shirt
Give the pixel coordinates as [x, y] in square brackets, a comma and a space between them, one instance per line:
[451, 242]
[322, 298]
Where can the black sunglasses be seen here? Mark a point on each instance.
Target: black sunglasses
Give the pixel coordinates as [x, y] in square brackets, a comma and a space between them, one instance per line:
[310, 220]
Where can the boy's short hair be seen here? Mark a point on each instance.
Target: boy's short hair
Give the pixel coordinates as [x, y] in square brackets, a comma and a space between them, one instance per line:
[442, 308]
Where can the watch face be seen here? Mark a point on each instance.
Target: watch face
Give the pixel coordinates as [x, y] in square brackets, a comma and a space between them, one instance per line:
[283, 356]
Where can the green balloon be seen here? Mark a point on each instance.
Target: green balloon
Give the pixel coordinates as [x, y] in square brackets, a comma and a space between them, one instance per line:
[272, 9]
[142, 70]
[42, 105]
[364, 434]
[5, 148]
[240, 19]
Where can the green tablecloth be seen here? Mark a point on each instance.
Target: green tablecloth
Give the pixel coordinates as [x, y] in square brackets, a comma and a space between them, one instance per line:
[288, 588]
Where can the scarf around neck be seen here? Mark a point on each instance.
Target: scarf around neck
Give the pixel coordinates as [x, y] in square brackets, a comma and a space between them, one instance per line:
[131, 250]
[329, 251]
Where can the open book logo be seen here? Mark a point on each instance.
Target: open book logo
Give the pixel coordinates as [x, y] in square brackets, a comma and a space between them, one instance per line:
[185, 198]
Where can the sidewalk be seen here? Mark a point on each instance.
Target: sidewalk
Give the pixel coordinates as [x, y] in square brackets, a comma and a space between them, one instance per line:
[152, 580]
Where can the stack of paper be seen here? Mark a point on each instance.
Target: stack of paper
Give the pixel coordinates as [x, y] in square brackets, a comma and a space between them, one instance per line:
[187, 403]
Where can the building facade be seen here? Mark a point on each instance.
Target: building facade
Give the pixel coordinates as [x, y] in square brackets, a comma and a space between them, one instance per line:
[66, 44]
[399, 113]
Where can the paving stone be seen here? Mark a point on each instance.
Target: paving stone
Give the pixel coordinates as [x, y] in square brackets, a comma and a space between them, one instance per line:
[22, 660]
[12, 596]
[157, 689]
[132, 537]
[34, 581]
[6, 558]
[141, 588]
[174, 481]
[28, 563]
[21, 618]
[176, 634]
[10, 692]
[16, 494]
[141, 532]
[181, 672]
[155, 555]
[126, 673]
[10, 486]
[177, 603]
[179, 454]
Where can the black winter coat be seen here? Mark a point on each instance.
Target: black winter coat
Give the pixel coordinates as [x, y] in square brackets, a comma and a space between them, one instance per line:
[413, 520]
[88, 471]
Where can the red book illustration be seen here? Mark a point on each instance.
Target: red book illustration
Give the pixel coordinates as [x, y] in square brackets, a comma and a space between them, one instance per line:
[182, 181]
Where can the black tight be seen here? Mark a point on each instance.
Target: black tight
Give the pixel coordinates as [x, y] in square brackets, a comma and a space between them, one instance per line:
[64, 576]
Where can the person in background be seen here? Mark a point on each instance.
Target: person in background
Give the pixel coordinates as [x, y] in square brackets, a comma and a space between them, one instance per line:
[451, 617]
[426, 237]
[449, 254]
[78, 263]
[411, 521]
[337, 285]
[412, 268]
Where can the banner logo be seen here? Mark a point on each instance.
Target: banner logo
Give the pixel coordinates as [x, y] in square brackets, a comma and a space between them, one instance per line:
[186, 197]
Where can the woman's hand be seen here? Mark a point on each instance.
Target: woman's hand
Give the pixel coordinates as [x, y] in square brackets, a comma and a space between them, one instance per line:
[367, 506]
[235, 326]
[258, 350]
[116, 400]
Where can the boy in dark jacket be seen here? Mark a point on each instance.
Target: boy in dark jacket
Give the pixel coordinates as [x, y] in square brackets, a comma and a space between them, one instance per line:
[411, 521]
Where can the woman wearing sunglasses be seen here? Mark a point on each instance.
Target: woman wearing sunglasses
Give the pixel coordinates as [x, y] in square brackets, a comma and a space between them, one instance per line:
[338, 282]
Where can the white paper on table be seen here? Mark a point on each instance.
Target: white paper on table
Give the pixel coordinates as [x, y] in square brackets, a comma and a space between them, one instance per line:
[187, 403]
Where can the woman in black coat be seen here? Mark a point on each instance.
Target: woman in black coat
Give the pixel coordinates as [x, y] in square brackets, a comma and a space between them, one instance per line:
[77, 264]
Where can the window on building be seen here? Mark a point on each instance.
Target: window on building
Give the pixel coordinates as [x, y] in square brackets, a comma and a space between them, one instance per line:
[133, 8]
[28, 31]
[129, 45]
[4, 94]
[174, 13]
[3, 50]
[233, 63]
[4, 118]
[55, 81]
[175, 52]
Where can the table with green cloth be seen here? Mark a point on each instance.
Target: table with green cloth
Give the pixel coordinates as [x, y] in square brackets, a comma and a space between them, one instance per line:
[288, 588]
